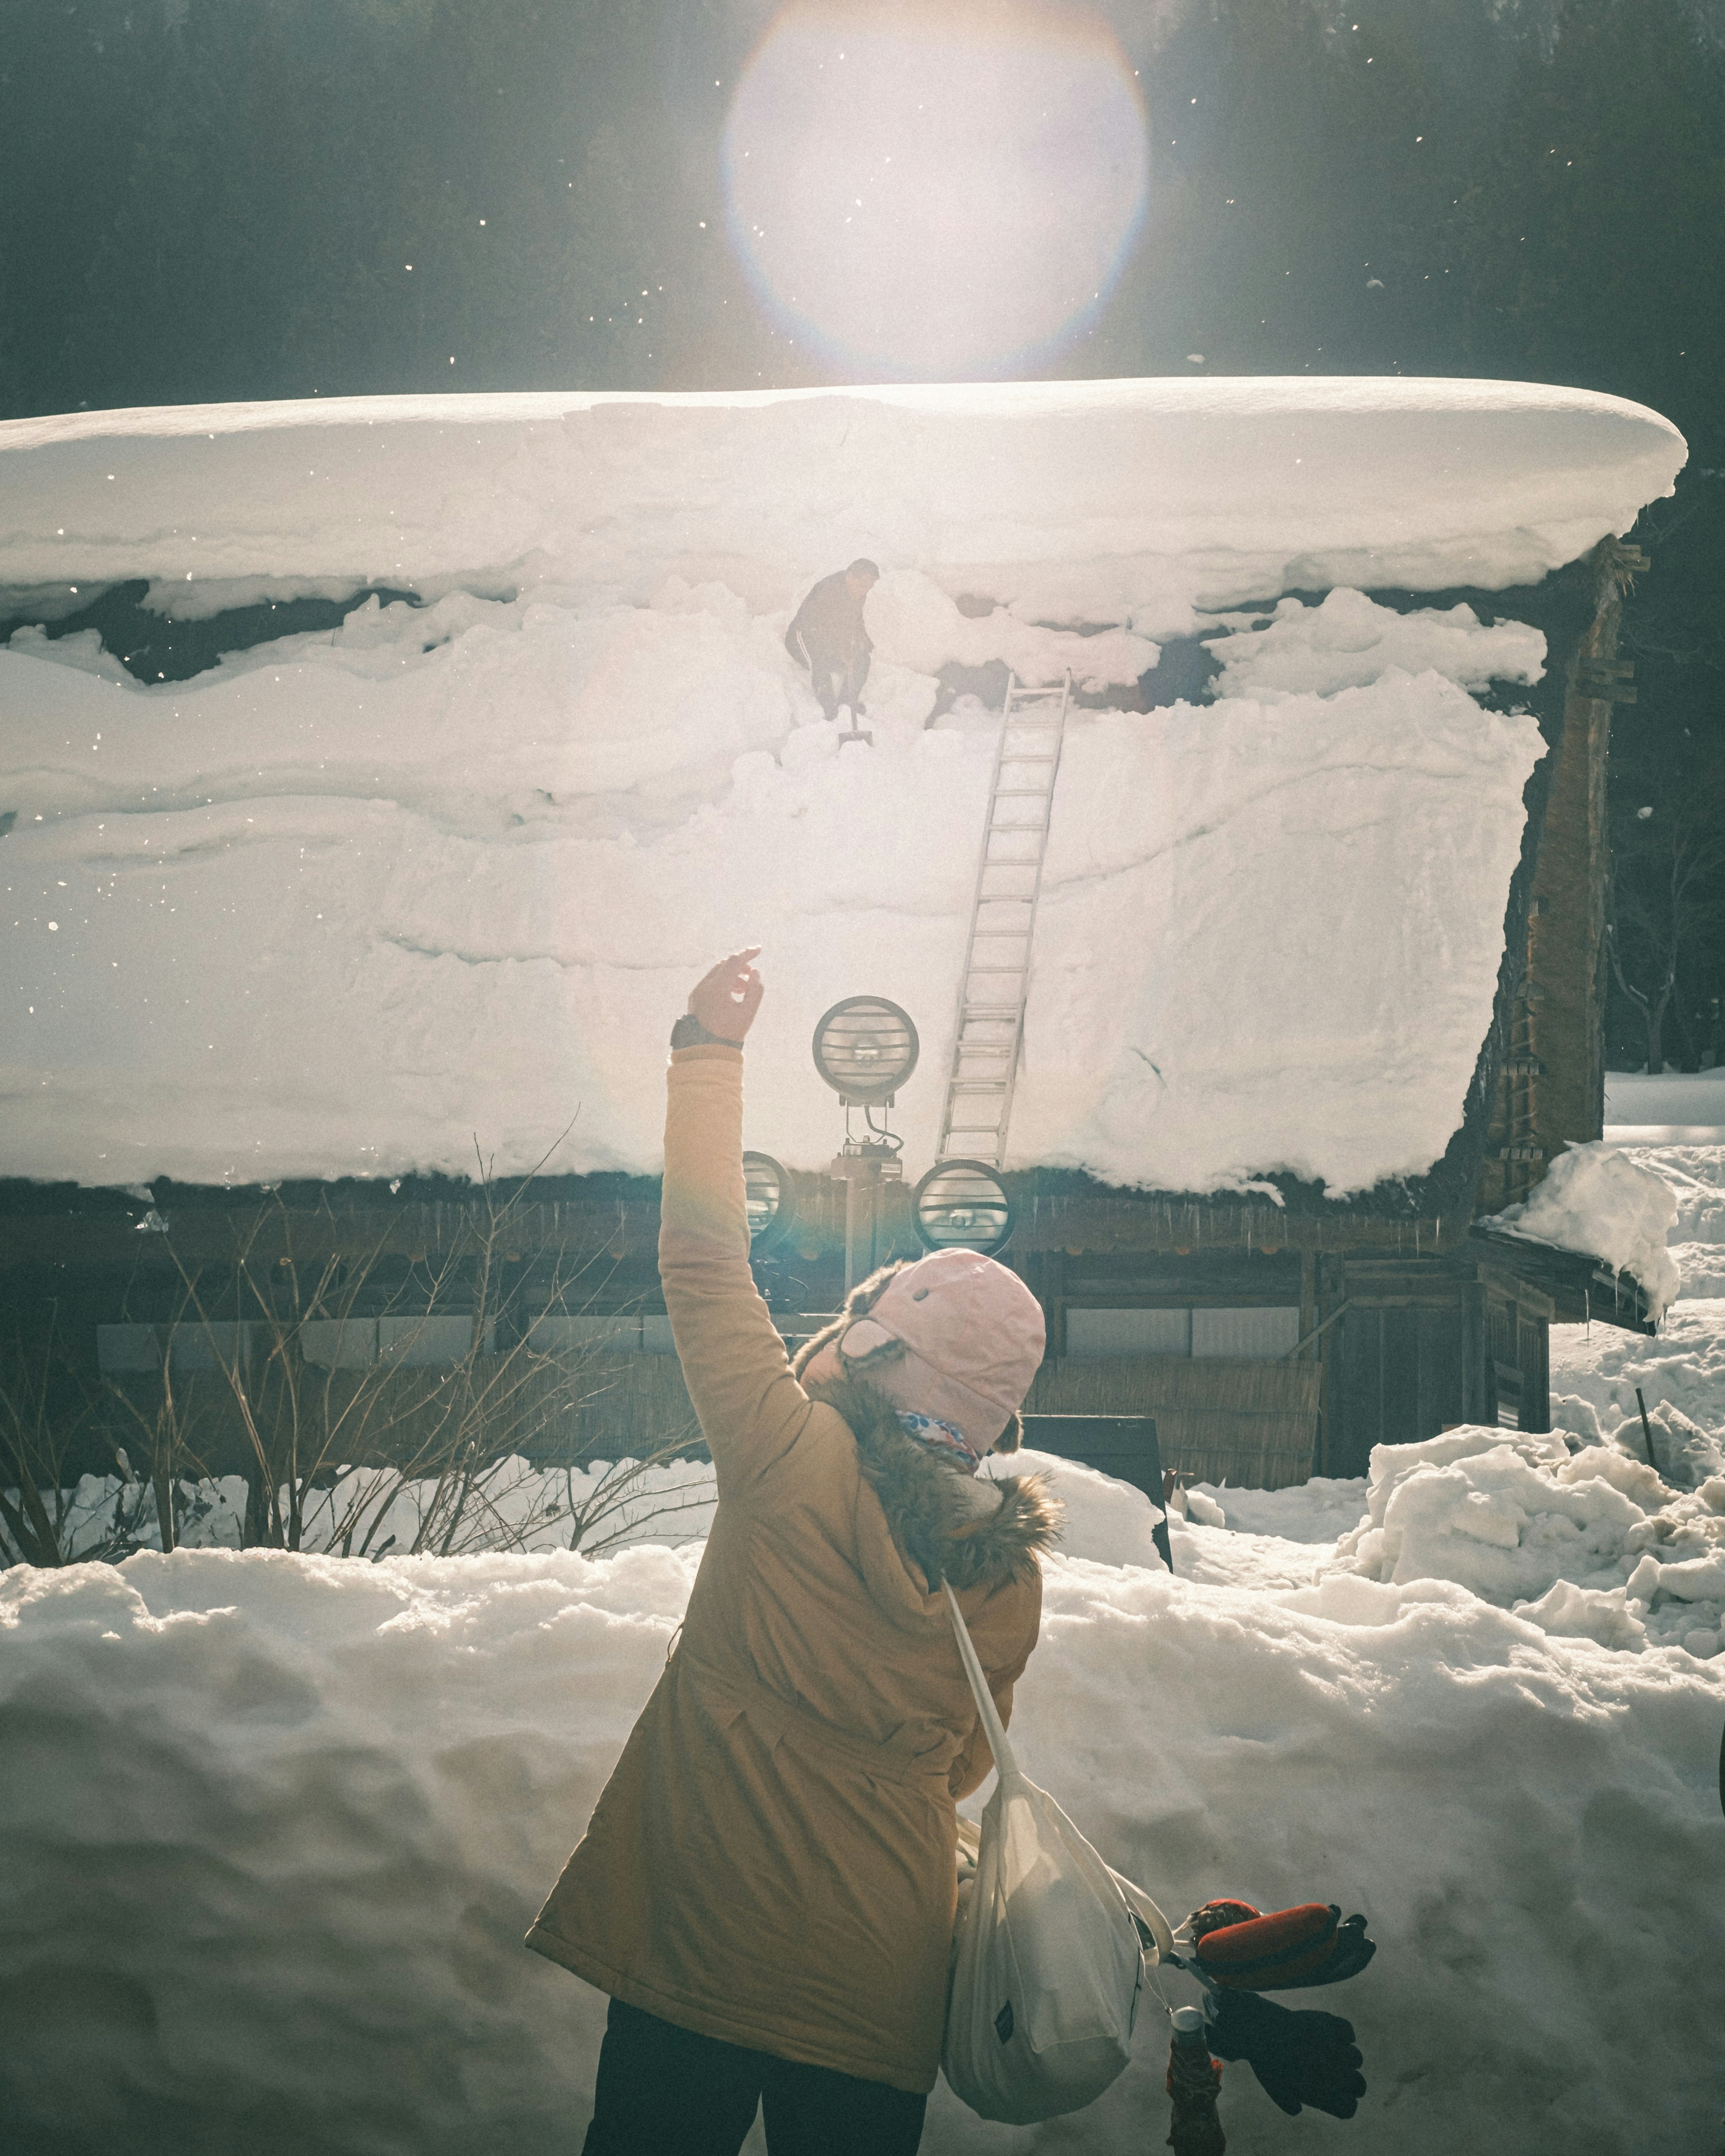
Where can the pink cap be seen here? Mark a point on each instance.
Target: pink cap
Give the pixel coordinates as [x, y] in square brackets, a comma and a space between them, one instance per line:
[973, 1335]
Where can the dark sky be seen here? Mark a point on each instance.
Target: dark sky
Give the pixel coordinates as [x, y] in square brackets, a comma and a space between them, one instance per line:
[216, 198]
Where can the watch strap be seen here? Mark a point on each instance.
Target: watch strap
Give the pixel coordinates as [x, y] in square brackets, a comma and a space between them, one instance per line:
[689, 1032]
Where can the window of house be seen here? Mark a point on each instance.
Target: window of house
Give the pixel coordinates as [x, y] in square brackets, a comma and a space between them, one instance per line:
[1254, 1333]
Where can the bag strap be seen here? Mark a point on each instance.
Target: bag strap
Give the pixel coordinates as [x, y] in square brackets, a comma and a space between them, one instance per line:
[1147, 1914]
[1006, 1766]
[1136, 1899]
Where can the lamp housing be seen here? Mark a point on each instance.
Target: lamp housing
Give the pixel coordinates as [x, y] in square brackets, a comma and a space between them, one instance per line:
[766, 1198]
[962, 1205]
[866, 1048]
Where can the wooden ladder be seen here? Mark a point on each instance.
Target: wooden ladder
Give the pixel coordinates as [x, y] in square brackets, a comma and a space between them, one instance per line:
[988, 1043]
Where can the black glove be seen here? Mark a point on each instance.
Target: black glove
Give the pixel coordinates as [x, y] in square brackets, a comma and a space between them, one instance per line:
[1300, 2057]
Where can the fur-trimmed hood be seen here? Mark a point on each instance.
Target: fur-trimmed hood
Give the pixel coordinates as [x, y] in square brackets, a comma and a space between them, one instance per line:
[969, 1529]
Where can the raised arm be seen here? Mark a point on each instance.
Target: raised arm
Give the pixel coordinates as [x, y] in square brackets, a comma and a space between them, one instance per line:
[751, 1409]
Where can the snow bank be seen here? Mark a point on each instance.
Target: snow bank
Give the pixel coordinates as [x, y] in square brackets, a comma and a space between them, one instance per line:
[597, 1509]
[1316, 1511]
[1665, 1109]
[1205, 492]
[1597, 1370]
[284, 1819]
[1594, 1544]
[347, 902]
[1596, 1200]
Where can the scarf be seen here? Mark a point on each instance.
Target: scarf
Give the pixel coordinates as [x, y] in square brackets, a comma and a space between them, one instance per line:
[942, 1438]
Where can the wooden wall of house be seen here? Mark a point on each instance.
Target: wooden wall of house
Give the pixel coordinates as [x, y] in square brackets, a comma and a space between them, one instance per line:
[1551, 1081]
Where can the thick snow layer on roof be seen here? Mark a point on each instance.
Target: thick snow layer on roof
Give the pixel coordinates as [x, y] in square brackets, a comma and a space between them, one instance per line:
[288, 1819]
[1596, 1199]
[1120, 502]
[350, 905]
[428, 888]
[1350, 639]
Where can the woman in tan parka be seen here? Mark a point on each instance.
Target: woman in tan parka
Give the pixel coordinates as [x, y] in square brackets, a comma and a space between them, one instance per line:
[766, 1888]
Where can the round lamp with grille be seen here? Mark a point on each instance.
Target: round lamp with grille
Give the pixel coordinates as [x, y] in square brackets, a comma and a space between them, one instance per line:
[766, 1197]
[962, 1205]
[866, 1048]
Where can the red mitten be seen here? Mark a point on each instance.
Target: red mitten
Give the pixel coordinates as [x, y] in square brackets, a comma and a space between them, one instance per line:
[1285, 1950]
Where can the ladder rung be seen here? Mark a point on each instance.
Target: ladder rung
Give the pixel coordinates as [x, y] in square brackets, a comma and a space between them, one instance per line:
[1024, 793]
[1017, 756]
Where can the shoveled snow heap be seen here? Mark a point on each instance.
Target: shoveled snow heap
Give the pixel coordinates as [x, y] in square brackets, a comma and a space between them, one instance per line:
[1592, 1543]
[277, 1825]
[1596, 1199]
[352, 902]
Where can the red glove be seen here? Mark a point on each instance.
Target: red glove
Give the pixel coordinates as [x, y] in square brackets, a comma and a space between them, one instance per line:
[1289, 1950]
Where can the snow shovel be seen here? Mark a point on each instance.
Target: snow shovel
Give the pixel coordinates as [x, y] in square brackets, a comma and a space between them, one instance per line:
[855, 733]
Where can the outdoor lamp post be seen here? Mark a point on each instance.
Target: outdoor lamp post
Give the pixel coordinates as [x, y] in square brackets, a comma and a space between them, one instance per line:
[866, 1048]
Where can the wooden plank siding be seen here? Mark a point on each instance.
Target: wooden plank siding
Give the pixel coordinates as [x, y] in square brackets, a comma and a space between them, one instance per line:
[1218, 1419]
[1550, 1077]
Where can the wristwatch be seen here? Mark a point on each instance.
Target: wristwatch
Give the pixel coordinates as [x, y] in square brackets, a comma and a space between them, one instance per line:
[689, 1032]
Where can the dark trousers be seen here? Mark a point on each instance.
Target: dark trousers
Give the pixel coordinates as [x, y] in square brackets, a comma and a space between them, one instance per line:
[663, 2091]
[835, 678]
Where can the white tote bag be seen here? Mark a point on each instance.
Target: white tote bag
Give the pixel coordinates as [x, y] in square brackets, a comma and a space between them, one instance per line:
[1048, 1960]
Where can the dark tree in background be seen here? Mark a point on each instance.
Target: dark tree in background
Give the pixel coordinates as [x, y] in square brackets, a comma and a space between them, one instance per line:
[222, 199]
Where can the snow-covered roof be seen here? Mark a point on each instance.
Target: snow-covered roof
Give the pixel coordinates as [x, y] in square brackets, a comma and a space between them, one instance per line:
[1128, 497]
[1599, 1202]
[360, 902]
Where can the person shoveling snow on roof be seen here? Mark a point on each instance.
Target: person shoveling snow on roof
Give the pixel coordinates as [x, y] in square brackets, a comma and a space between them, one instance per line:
[827, 636]
[767, 1887]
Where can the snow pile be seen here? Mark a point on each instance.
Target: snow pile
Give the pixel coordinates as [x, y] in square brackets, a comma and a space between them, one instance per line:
[1349, 640]
[285, 1821]
[1136, 500]
[354, 899]
[915, 625]
[1596, 1372]
[1695, 1176]
[1596, 1200]
[1315, 1511]
[1594, 1544]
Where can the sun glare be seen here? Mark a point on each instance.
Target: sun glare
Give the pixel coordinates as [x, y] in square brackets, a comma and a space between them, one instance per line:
[932, 187]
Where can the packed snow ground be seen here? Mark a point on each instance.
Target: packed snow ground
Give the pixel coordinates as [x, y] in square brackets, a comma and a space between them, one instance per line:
[352, 901]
